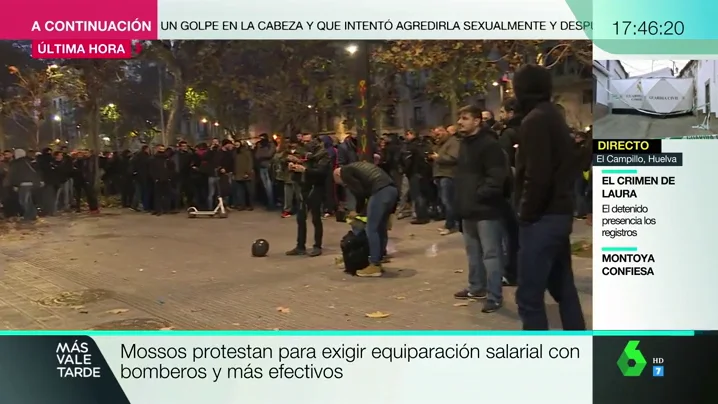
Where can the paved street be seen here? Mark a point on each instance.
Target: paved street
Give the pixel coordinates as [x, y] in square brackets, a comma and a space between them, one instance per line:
[647, 127]
[126, 270]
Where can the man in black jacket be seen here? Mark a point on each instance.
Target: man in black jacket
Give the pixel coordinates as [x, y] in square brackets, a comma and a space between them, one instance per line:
[125, 178]
[311, 176]
[161, 172]
[545, 173]
[84, 173]
[139, 171]
[369, 182]
[418, 170]
[184, 160]
[45, 194]
[509, 141]
[481, 177]
[58, 174]
[509, 136]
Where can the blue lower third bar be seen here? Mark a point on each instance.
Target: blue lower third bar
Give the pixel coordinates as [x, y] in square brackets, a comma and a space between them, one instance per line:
[643, 160]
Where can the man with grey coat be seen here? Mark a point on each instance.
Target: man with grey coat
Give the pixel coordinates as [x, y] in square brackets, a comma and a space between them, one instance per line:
[445, 158]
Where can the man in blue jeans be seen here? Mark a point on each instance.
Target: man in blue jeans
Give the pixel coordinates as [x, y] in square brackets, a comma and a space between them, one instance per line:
[264, 152]
[481, 183]
[444, 160]
[23, 176]
[368, 182]
[545, 173]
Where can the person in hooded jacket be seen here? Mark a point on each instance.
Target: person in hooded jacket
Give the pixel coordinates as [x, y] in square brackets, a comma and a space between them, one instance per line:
[545, 175]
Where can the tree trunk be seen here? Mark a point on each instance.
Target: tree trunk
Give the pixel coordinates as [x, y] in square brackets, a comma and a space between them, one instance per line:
[93, 120]
[454, 106]
[175, 116]
[36, 137]
[379, 121]
[3, 136]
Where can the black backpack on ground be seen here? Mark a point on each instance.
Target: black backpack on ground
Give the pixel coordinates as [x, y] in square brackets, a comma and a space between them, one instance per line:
[355, 252]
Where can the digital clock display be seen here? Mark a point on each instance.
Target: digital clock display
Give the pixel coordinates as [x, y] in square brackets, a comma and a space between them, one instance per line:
[649, 28]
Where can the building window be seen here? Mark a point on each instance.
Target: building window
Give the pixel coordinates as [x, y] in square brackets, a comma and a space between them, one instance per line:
[587, 96]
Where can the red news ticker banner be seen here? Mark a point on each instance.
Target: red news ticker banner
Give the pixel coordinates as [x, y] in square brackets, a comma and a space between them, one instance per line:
[76, 20]
[84, 49]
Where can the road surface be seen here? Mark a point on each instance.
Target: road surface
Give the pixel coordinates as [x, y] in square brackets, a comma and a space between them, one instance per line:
[126, 270]
[647, 127]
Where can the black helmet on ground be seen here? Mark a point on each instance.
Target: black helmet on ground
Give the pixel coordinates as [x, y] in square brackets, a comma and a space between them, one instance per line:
[260, 248]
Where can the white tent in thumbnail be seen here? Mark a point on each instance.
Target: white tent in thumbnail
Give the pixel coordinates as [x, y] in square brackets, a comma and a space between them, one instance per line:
[653, 95]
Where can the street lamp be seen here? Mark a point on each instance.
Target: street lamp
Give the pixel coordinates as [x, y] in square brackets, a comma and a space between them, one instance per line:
[111, 105]
[216, 124]
[203, 120]
[364, 125]
[495, 84]
[310, 106]
[57, 118]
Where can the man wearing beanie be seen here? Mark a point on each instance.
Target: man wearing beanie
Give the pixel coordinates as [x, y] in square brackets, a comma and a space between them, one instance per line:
[545, 174]
[25, 178]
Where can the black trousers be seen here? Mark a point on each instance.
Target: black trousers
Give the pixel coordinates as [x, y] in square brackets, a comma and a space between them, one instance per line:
[511, 227]
[310, 204]
[330, 195]
[162, 196]
[544, 263]
[185, 191]
[127, 191]
[83, 186]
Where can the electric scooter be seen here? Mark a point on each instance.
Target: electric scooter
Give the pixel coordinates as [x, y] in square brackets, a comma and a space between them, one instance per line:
[220, 211]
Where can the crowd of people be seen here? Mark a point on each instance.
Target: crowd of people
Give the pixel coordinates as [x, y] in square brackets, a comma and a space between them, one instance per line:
[510, 186]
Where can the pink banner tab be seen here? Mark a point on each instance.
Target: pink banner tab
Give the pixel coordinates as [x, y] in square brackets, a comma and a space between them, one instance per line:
[79, 19]
[87, 49]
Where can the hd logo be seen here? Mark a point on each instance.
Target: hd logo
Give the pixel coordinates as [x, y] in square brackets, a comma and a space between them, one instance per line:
[631, 362]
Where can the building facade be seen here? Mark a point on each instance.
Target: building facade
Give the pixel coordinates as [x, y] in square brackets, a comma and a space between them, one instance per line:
[703, 73]
[603, 72]
[573, 89]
